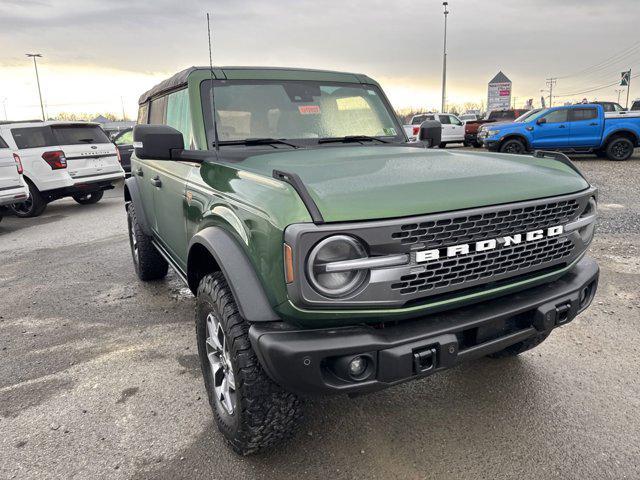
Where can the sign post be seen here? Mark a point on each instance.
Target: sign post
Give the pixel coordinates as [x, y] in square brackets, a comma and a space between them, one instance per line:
[499, 93]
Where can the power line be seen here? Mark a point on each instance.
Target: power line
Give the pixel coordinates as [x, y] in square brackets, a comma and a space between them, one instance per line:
[594, 89]
[605, 63]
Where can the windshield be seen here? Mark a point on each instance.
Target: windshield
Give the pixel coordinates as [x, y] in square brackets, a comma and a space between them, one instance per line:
[297, 110]
[467, 117]
[525, 116]
[538, 114]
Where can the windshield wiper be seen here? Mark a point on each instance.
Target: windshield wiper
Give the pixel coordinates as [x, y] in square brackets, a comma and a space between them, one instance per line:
[259, 141]
[352, 139]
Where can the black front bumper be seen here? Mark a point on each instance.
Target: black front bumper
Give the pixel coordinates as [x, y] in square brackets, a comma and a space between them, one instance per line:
[315, 361]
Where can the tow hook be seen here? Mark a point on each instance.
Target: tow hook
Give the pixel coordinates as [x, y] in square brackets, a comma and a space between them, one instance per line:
[424, 360]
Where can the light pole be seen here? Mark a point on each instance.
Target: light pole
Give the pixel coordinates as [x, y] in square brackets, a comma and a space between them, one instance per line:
[444, 58]
[35, 64]
[619, 91]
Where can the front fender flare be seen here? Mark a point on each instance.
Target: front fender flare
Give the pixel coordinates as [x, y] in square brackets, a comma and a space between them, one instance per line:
[247, 289]
[132, 194]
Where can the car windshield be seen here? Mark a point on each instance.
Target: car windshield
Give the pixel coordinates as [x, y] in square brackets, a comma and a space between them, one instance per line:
[525, 116]
[501, 115]
[538, 114]
[297, 110]
[467, 117]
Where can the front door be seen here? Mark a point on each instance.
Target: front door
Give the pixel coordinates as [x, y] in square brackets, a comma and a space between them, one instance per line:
[553, 131]
[457, 130]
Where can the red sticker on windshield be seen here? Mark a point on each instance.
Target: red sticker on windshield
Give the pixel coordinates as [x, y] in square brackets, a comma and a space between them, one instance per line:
[309, 109]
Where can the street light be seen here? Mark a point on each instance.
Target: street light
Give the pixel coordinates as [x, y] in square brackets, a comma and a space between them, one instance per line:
[444, 58]
[35, 64]
[619, 91]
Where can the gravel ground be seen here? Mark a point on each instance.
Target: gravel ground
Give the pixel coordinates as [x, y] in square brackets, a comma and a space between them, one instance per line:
[99, 376]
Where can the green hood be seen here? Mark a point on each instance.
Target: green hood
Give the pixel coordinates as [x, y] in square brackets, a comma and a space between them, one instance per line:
[372, 182]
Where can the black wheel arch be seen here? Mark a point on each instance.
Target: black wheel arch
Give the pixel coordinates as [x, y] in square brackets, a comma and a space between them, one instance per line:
[132, 195]
[516, 136]
[622, 133]
[214, 249]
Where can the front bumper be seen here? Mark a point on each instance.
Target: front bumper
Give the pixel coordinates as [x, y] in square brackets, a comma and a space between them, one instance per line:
[471, 137]
[314, 361]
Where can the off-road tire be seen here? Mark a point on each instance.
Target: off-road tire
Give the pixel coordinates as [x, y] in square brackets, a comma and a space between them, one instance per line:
[619, 149]
[33, 206]
[520, 347]
[513, 146]
[265, 414]
[147, 261]
[89, 198]
[442, 145]
[477, 145]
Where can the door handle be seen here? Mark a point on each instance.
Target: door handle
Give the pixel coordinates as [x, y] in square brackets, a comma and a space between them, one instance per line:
[594, 124]
[562, 126]
[139, 172]
[156, 182]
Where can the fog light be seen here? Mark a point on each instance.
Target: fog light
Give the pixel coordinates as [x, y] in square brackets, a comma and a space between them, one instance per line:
[357, 366]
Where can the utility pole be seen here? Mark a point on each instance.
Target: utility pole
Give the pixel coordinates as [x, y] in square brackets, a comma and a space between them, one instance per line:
[124, 115]
[628, 88]
[551, 83]
[619, 91]
[444, 59]
[35, 64]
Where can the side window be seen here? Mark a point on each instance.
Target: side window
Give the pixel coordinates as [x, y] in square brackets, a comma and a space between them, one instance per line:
[158, 111]
[179, 115]
[444, 119]
[454, 120]
[3, 144]
[557, 116]
[143, 111]
[125, 139]
[579, 114]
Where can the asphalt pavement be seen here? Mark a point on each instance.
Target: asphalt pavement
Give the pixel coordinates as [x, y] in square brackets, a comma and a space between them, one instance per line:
[99, 375]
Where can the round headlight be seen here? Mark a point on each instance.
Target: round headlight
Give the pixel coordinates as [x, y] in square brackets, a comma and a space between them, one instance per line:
[335, 249]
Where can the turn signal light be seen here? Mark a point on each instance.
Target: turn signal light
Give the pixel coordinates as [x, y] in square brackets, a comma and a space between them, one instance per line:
[16, 158]
[288, 263]
[55, 159]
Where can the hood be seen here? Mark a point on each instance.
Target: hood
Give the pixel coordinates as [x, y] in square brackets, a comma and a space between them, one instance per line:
[373, 182]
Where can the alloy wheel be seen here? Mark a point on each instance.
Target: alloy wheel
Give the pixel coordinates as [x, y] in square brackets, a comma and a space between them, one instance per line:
[620, 149]
[24, 207]
[224, 383]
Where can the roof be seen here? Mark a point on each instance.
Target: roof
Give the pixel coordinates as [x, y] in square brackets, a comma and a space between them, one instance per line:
[181, 78]
[48, 123]
[500, 78]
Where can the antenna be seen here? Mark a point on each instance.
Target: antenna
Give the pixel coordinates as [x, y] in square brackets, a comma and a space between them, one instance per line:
[213, 103]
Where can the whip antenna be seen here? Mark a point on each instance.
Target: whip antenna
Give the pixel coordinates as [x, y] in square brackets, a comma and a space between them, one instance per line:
[211, 96]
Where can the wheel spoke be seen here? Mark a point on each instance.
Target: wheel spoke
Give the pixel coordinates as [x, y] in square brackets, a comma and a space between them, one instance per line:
[224, 382]
[231, 380]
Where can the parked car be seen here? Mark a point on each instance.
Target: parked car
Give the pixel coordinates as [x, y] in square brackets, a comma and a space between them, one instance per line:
[452, 127]
[608, 106]
[413, 128]
[12, 186]
[471, 128]
[328, 255]
[124, 143]
[580, 128]
[468, 117]
[635, 105]
[62, 159]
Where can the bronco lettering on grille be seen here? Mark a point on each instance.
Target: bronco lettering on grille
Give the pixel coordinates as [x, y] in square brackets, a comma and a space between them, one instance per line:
[487, 245]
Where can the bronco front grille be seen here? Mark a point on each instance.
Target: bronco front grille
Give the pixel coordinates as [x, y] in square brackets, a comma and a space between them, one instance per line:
[469, 228]
[447, 273]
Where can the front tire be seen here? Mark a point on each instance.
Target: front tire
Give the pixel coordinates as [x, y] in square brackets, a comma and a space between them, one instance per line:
[619, 149]
[147, 261]
[252, 412]
[89, 198]
[513, 146]
[32, 206]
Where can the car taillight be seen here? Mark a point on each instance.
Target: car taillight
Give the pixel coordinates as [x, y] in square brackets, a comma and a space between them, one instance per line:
[118, 154]
[16, 158]
[416, 129]
[55, 159]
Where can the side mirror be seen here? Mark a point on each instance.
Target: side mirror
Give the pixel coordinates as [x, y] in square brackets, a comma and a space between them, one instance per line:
[541, 121]
[156, 142]
[430, 133]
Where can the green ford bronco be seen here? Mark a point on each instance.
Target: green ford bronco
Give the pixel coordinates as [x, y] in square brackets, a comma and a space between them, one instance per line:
[330, 256]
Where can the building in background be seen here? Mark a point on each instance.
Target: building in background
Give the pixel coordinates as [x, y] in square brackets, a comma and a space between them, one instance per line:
[499, 93]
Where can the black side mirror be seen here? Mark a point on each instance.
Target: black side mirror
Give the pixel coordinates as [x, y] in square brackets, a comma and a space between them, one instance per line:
[541, 121]
[430, 133]
[156, 142]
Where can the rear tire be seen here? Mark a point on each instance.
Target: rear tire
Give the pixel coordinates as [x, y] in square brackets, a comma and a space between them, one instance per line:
[252, 412]
[513, 146]
[520, 347]
[619, 149]
[89, 198]
[147, 261]
[32, 206]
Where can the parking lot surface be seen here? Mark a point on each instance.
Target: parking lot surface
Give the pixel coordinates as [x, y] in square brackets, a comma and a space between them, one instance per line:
[99, 375]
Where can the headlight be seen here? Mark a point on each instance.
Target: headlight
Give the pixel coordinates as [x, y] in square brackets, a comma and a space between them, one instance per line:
[491, 133]
[337, 248]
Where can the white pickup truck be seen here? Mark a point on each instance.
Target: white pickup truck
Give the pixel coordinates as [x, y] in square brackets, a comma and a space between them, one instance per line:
[12, 186]
[452, 127]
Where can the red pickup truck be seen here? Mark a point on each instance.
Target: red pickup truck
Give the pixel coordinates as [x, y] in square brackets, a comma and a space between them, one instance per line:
[471, 127]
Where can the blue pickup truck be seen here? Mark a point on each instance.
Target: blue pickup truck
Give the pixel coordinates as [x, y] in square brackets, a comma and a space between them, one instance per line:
[583, 128]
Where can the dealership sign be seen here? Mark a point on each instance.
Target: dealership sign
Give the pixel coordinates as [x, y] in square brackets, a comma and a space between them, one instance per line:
[499, 93]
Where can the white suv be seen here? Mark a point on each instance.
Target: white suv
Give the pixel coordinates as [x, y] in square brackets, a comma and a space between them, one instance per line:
[62, 159]
[12, 186]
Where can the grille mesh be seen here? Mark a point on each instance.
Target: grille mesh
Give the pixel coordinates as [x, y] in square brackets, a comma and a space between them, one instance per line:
[465, 229]
[484, 267]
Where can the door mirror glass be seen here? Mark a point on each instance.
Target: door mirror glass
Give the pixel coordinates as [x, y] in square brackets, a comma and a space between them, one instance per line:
[430, 133]
[157, 142]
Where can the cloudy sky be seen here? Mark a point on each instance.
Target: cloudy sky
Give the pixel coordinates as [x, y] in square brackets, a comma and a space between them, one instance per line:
[100, 54]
